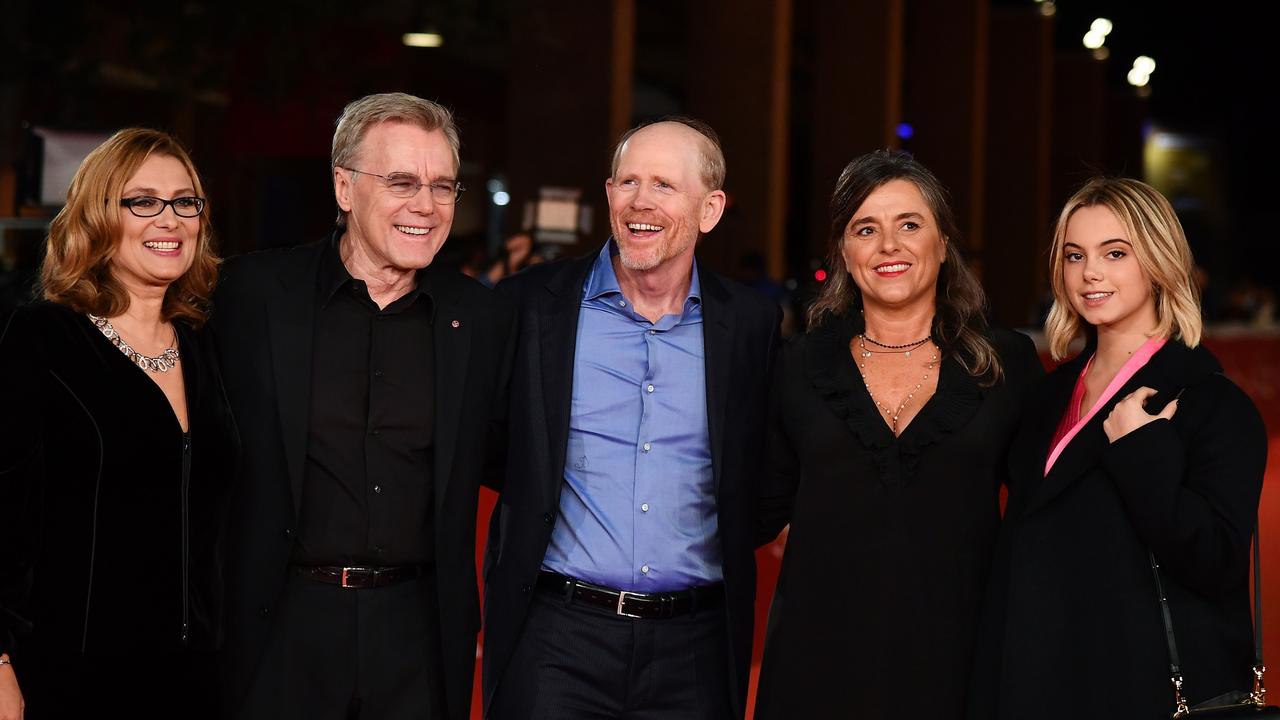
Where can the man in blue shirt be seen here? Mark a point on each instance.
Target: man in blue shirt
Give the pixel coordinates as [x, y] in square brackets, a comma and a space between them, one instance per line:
[620, 577]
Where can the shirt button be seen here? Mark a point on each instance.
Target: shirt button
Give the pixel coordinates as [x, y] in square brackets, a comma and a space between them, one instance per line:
[644, 569]
[653, 332]
[548, 518]
[644, 507]
[377, 489]
[622, 303]
[650, 388]
[647, 447]
[377, 373]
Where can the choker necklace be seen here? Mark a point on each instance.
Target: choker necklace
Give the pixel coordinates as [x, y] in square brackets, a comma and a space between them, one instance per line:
[892, 415]
[164, 362]
[889, 349]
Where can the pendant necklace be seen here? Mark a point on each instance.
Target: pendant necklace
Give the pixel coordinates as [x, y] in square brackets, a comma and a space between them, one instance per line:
[892, 415]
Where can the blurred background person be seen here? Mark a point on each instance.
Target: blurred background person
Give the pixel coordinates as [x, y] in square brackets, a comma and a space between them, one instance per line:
[116, 446]
[891, 419]
[1137, 445]
[517, 253]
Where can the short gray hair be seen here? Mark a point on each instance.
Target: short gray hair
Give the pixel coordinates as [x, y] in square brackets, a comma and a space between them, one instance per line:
[370, 110]
[711, 163]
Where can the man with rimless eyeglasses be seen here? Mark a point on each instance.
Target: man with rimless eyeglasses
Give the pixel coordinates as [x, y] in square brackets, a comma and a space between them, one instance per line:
[367, 384]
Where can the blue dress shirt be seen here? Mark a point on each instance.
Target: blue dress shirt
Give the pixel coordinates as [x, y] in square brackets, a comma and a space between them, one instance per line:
[638, 509]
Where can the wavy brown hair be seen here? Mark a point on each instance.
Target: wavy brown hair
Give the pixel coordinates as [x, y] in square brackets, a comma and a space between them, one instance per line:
[85, 234]
[959, 320]
[1160, 246]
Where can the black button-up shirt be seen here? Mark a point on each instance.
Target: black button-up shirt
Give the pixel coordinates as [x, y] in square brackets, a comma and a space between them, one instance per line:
[367, 492]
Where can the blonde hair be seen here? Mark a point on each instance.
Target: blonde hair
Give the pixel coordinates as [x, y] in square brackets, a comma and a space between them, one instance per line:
[361, 115]
[1160, 247]
[85, 234]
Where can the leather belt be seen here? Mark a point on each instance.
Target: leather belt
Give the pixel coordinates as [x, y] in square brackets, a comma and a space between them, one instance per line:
[649, 606]
[358, 577]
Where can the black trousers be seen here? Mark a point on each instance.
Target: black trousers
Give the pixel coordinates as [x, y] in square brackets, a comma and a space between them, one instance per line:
[576, 661]
[340, 654]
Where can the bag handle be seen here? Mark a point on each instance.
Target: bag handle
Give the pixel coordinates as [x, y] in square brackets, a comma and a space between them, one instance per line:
[1259, 695]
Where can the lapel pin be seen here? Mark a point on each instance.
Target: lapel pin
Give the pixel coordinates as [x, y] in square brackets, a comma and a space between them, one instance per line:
[456, 323]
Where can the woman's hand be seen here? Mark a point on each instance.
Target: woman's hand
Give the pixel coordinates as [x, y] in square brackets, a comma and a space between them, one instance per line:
[11, 705]
[1130, 414]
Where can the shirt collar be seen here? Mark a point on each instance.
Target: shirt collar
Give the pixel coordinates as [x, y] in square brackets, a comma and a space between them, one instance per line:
[603, 280]
[334, 275]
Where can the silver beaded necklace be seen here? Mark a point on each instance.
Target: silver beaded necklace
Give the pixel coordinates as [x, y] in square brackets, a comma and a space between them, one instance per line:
[164, 362]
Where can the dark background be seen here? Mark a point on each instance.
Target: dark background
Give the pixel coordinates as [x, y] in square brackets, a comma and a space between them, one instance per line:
[1003, 101]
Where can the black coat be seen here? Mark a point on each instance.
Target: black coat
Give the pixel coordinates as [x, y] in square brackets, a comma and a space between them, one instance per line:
[264, 320]
[740, 331]
[96, 506]
[877, 602]
[1072, 626]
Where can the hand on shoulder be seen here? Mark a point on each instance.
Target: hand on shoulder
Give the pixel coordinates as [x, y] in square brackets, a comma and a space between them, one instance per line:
[1130, 414]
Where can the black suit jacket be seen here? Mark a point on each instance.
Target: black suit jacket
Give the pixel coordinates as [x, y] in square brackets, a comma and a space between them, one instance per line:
[1072, 626]
[740, 330]
[264, 323]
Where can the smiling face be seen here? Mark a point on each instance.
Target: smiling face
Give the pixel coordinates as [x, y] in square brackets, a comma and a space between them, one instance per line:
[658, 202]
[893, 248]
[402, 234]
[153, 252]
[1103, 280]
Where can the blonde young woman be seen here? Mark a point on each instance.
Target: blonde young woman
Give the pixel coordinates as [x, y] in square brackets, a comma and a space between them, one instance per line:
[115, 449]
[1138, 444]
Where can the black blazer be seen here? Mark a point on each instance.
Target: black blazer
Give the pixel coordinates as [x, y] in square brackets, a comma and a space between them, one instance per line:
[740, 332]
[264, 322]
[1072, 626]
[107, 543]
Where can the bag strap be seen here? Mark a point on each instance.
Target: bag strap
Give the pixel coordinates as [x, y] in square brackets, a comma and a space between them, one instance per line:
[1259, 695]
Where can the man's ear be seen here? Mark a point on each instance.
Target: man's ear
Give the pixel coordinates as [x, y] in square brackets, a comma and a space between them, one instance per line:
[712, 209]
[342, 189]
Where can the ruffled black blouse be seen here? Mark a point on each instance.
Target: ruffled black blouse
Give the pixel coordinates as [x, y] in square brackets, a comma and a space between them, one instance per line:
[890, 536]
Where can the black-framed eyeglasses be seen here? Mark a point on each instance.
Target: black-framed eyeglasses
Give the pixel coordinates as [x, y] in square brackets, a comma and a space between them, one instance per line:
[147, 206]
[406, 185]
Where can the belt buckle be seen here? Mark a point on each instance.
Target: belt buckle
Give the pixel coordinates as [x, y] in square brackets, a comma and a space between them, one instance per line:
[622, 597]
[345, 583]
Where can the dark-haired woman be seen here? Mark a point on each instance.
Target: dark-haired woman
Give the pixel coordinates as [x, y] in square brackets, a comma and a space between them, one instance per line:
[116, 447]
[892, 417]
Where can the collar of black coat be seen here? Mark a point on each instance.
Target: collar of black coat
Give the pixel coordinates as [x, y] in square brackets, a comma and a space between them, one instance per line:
[1173, 368]
[829, 366]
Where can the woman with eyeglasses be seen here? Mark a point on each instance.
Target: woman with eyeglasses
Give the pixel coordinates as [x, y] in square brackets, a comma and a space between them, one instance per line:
[116, 449]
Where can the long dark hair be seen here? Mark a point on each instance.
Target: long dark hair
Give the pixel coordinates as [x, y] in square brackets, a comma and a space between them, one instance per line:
[959, 321]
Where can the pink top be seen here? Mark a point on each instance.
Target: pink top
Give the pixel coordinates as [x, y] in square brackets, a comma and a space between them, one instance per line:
[1070, 425]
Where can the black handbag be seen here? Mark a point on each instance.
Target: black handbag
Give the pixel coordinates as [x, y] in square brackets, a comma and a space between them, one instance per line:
[1235, 705]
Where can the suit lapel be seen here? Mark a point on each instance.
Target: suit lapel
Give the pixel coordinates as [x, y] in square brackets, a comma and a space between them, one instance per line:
[451, 332]
[557, 342]
[291, 326]
[718, 362]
